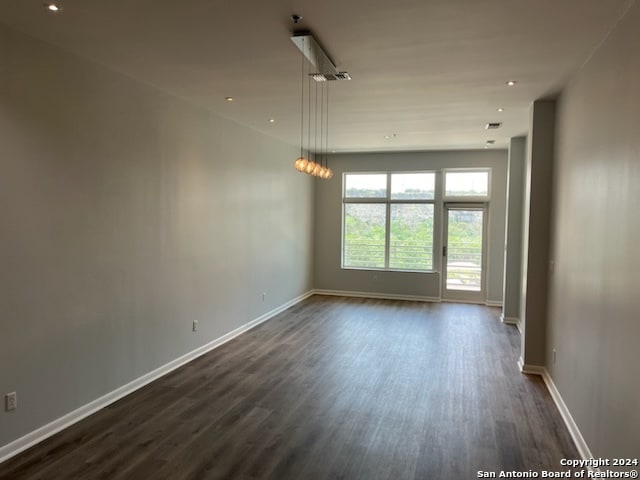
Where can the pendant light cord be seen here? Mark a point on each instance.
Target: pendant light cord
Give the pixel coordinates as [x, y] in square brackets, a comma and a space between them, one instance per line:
[302, 101]
[327, 129]
[309, 119]
[315, 126]
[322, 124]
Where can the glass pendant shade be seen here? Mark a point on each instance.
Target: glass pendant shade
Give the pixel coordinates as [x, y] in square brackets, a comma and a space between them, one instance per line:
[311, 165]
[301, 164]
[316, 169]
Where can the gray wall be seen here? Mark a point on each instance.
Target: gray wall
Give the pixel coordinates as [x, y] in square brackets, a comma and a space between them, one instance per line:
[127, 214]
[536, 228]
[514, 229]
[594, 315]
[328, 223]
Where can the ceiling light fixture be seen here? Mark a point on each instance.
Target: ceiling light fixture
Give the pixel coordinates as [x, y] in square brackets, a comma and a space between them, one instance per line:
[272, 120]
[52, 7]
[314, 159]
[229, 99]
[511, 83]
[500, 109]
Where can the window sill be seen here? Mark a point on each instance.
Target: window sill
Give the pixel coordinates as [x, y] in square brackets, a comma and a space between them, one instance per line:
[391, 270]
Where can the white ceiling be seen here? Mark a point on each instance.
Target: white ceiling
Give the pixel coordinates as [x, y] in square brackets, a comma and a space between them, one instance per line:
[432, 72]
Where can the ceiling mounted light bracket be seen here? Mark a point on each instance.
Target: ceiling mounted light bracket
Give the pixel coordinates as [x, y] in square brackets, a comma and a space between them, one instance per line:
[325, 69]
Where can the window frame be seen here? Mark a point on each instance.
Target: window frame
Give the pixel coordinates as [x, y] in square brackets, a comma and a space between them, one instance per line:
[466, 198]
[388, 201]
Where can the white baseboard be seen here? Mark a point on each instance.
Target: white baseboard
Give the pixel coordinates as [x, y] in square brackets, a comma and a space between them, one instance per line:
[511, 321]
[384, 296]
[493, 303]
[576, 435]
[46, 431]
[530, 369]
[393, 296]
[468, 302]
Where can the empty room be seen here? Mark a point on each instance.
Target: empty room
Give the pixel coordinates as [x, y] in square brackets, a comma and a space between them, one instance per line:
[319, 240]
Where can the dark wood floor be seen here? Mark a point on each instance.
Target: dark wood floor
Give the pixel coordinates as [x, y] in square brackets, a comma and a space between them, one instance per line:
[331, 388]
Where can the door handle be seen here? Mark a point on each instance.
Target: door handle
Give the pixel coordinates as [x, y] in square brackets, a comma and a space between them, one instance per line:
[444, 251]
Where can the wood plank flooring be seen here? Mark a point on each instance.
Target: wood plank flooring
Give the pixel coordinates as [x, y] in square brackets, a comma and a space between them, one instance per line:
[333, 388]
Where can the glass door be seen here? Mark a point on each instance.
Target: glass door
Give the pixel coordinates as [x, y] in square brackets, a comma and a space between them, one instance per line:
[464, 253]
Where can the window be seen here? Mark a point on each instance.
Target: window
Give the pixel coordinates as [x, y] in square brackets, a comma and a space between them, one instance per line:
[364, 235]
[388, 221]
[365, 185]
[466, 184]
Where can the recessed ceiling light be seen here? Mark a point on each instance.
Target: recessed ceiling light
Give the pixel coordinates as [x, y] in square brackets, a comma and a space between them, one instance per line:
[229, 99]
[272, 120]
[500, 109]
[511, 83]
[387, 137]
[52, 7]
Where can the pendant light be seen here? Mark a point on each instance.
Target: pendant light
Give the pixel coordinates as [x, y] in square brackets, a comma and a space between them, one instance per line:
[316, 160]
[302, 161]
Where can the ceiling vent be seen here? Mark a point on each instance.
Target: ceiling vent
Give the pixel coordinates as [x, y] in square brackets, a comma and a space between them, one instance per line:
[493, 126]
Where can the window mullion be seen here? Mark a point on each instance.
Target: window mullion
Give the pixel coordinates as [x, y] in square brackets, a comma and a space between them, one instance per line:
[388, 224]
[364, 200]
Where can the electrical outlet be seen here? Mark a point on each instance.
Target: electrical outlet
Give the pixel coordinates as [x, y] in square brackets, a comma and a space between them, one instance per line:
[195, 326]
[10, 401]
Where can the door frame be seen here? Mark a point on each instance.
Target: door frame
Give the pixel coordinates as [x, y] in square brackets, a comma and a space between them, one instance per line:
[464, 295]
